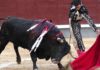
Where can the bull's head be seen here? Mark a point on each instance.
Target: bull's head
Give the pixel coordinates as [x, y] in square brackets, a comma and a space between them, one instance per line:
[60, 49]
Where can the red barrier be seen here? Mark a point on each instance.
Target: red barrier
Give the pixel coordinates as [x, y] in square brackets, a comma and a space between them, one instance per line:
[57, 10]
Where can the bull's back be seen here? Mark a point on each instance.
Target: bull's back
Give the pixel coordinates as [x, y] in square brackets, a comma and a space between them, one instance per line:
[16, 29]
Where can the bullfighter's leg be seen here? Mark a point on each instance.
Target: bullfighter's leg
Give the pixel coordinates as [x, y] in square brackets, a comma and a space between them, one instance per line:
[60, 66]
[18, 58]
[77, 37]
[34, 59]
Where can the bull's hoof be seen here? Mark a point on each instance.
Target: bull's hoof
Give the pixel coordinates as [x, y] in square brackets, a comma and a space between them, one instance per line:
[62, 68]
[36, 68]
[18, 60]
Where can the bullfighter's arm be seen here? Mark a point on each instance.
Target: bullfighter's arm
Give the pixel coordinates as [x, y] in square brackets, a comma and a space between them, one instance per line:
[90, 21]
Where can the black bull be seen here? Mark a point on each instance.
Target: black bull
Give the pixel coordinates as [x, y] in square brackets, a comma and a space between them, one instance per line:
[53, 45]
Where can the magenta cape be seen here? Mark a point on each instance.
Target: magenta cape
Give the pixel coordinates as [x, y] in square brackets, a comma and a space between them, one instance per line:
[89, 59]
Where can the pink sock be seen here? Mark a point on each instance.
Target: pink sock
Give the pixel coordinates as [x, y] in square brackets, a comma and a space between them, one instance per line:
[79, 52]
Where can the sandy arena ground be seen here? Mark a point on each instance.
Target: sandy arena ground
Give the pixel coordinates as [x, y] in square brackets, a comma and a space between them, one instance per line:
[8, 58]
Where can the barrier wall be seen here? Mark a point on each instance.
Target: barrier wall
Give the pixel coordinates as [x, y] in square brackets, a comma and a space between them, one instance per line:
[57, 10]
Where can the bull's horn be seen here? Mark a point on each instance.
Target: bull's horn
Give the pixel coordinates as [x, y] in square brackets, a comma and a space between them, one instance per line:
[60, 40]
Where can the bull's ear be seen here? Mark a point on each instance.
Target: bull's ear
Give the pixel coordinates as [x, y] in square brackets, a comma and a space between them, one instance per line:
[60, 40]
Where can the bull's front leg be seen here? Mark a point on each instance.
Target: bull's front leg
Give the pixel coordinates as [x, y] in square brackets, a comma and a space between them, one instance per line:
[60, 66]
[18, 58]
[34, 60]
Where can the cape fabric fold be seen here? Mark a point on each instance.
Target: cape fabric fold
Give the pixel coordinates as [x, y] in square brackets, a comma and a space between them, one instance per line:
[89, 59]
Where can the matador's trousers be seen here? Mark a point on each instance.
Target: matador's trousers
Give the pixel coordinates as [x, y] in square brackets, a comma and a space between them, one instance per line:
[75, 30]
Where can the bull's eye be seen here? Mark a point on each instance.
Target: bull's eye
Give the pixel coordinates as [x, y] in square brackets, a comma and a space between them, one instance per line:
[60, 40]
